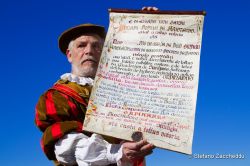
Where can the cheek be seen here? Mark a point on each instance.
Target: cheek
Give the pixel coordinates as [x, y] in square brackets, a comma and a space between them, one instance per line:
[76, 62]
[78, 57]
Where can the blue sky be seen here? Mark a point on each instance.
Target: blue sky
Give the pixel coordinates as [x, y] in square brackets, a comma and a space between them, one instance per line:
[31, 62]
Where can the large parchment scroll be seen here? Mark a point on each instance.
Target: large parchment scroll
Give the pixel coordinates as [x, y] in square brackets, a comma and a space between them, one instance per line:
[147, 79]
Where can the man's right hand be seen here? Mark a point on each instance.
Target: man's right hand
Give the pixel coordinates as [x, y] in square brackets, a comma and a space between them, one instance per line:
[148, 8]
[136, 150]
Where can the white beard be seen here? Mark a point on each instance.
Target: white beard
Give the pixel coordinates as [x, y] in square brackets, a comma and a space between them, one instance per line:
[84, 72]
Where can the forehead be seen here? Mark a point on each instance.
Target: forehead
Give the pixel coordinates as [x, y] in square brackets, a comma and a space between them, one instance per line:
[89, 38]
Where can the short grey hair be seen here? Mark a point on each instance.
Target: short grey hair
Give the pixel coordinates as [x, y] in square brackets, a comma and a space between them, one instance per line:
[70, 46]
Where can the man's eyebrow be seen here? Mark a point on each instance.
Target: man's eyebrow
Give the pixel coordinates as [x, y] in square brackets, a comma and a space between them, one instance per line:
[80, 42]
[87, 41]
[97, 41]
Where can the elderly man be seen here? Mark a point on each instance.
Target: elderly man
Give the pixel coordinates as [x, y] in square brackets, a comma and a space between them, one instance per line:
[60, 111]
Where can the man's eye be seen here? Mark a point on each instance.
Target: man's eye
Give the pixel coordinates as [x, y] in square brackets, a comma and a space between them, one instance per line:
[81, 45]
[96, 46]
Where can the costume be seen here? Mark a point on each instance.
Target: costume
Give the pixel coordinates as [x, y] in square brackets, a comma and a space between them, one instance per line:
[60, 113]
[57, 115]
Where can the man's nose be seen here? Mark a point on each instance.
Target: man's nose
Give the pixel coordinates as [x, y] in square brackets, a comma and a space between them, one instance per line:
[89, 49]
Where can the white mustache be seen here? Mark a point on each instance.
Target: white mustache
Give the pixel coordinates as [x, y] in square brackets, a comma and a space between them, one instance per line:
[89, 59]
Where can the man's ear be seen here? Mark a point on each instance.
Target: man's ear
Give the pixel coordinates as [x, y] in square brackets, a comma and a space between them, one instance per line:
[69, 55]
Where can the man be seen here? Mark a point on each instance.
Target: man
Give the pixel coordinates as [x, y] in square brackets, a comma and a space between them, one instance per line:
[60, 111]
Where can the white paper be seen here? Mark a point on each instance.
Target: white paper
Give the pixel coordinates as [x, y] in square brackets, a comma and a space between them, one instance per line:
[147, 79]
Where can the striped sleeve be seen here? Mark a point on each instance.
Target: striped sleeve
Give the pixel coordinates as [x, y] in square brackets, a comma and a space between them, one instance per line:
[56, 115]
[56, 131]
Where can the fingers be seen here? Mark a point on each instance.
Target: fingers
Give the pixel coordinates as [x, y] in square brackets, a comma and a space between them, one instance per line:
[149, 8]
[140, 144]
[144, 153]
[146, 150]
[135, 150]
[135, 145]
[147, 147]
[130, 154]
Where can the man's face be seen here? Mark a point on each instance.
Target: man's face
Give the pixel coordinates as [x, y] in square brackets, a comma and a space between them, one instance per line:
[84, 54]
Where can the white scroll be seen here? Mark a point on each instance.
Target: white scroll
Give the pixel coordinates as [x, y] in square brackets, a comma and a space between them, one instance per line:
[147, 81]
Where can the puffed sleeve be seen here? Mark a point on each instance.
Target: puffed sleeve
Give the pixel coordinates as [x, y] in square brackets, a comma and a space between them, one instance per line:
[53, 117]
[77, 148]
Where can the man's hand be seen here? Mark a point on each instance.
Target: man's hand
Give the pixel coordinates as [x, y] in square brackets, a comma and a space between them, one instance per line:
[150, 8]
[136, 150]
